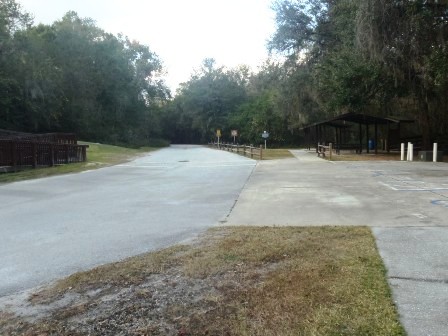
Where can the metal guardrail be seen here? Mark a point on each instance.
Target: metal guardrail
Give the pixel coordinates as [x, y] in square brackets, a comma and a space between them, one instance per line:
[249, 151]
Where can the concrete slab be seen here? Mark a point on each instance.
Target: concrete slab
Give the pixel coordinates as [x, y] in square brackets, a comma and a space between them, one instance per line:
[417, 263]
[306, 155]
[319, 192]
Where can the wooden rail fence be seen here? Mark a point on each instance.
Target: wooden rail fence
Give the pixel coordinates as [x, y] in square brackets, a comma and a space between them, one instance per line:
[40, 150]
[324, 150]
[59, 138]
[249, 151]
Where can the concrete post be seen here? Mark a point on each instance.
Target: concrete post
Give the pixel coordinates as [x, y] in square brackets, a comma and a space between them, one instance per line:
[411, 152]
[408, 156]
[434, 153]
[402, 151]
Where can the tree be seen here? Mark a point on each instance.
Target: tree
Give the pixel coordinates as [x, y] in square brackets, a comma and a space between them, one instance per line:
[408, 38]
[209, 97]
[12, 20]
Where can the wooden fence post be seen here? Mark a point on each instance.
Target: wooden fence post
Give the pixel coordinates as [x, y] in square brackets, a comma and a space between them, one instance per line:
[51, 155]
[331, 149]
[261, 152]
[251, 152]
[34, 149]
[67, 158]
[14, 154]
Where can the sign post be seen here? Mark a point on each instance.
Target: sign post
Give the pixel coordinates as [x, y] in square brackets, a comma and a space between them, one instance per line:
[218, 134]
[265, 136]
[234, 133]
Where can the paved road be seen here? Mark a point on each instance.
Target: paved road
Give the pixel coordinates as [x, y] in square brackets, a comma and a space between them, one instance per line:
[56, 226]
[405, 203]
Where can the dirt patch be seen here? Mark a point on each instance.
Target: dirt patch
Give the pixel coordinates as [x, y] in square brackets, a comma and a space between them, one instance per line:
[234, 281]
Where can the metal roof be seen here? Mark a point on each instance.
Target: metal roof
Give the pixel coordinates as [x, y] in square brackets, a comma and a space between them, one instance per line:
[358, 118]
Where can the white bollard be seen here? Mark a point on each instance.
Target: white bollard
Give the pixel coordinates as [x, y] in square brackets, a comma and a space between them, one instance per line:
[411, 153]
[408, 156]
[402, 151]
[434, 153]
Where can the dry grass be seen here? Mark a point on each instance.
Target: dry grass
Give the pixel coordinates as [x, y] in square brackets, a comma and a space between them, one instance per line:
[275, 154]
[372, 157]
[365, 157]
[236, 281]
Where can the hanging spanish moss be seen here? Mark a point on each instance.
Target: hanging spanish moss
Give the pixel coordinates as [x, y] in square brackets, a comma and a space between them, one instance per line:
[408, 38]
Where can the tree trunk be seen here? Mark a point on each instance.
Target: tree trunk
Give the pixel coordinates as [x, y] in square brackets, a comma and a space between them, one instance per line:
[425, 124]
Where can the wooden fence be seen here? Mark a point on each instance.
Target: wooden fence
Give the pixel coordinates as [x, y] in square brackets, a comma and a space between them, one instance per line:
[57, 138]
[21, 153]
[248, 151]
[324, 150]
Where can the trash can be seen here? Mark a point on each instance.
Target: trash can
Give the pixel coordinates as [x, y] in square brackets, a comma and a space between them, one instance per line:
[371, 144]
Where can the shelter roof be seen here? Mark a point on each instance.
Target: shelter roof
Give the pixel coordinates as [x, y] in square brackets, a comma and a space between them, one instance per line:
[358, 118]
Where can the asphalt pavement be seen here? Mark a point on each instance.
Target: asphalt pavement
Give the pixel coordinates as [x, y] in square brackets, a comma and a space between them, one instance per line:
[53, 227]
[405, 203]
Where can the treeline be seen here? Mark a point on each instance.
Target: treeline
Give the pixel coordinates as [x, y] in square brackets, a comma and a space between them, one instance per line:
[232, 99]
[380, 57]
[72, 76]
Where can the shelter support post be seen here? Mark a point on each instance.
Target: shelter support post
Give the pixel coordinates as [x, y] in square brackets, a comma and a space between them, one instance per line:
[376, 138]
[360, 138]
[367, 139]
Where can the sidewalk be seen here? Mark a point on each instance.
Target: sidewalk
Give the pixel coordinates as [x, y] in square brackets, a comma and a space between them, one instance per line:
[405, 203]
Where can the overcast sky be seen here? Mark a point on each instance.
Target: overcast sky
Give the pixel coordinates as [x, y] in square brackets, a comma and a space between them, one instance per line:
[181, 32]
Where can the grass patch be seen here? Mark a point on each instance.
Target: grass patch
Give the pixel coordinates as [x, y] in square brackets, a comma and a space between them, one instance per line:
[373, 157]
[365, 157]
[234, 281]
[98, 156]
[275, 154]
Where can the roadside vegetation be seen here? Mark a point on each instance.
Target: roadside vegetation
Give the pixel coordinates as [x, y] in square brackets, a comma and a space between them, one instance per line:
[365, 157]
[233, 281]
[276, 153]
[98, 155]
[372, 157]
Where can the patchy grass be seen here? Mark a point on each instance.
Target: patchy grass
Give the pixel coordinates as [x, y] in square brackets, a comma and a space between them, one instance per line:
[98, 155]
[274, 154]
[234, 281]
[373, 157]
[364, 157]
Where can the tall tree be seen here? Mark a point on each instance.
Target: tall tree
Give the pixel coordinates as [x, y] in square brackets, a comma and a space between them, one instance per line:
[408, 37]
[74, 77]
[210, 96]
[12, 20]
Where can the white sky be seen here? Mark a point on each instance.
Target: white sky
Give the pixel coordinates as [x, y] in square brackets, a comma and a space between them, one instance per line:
[181, 32]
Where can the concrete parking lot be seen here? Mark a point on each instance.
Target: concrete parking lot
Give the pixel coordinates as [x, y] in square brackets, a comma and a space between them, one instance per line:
[405, 203]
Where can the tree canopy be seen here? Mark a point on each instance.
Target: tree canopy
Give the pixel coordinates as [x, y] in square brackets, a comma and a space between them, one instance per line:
[72, 76]
[381, 57]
